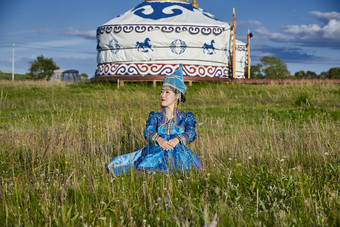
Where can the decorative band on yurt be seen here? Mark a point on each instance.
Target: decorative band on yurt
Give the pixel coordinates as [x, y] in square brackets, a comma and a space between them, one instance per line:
[132, 69]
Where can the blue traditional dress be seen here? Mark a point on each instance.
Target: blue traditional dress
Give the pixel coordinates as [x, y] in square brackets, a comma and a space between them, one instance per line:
[152, 157]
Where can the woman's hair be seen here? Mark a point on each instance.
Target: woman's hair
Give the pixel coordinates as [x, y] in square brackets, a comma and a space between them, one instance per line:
[176, 91]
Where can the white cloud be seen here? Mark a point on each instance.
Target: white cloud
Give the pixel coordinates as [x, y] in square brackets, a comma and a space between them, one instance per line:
[45, 30]
[273, 36]
[279, 36]
[57, 43]
[85, 34]
[326, 16]
[249, 23]
[332, 30]
[316, 32]
[262, 31]
[303, 29]
[324, 35]
[73, 32]
[76, 57]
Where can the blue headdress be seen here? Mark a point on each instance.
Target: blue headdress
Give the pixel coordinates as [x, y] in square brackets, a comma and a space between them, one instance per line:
[176, 80]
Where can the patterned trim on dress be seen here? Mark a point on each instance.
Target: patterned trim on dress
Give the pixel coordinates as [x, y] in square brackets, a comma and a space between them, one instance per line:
[140, 28]
[176, 120]
[169, 126]
[130, 69]
[154, 139]
[182, 139]
[163, 120]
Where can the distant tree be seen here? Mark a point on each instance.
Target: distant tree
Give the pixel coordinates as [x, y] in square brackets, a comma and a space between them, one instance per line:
[323, 75]
[300, 74]
[42, 67]
[84, 76]
[311, 75]
[306, 75]
[256, 71]
[334, 73]
[274, 67]
[270, 67]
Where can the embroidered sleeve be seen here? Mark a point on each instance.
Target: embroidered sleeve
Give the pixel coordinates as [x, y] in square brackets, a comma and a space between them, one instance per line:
[150, 131]
[190, 134]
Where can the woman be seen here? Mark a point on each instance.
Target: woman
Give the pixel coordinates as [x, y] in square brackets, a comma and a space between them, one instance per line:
[168, 132]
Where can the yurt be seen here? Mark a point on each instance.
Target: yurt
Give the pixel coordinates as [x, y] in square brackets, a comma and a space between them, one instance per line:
[241, 59]
[152, 39]
[65, 75]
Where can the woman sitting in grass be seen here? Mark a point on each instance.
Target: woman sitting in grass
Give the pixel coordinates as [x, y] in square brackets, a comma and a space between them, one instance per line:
[168, 132]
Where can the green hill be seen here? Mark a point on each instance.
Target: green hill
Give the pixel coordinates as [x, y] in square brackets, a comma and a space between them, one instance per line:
[8, 76]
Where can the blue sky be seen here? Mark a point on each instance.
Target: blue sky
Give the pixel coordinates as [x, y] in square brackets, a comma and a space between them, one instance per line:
[303, 33]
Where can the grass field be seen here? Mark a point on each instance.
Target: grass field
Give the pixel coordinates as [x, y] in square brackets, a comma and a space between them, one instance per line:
[271, 156]
[8, 76]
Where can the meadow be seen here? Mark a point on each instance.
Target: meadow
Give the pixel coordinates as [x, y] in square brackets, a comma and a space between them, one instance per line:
[271, 156]
[8, 76]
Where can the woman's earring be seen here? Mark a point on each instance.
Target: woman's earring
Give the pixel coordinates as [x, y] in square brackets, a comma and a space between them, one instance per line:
[175, 108]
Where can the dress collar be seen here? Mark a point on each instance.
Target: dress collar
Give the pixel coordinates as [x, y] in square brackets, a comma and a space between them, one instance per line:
[178, 113]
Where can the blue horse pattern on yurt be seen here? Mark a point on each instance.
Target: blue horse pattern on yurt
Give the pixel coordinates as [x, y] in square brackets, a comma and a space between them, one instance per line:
[209, 48]
[144, 46]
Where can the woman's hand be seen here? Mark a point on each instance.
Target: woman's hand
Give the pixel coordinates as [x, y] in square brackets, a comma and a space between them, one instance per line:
[166, 145]
[174, 141]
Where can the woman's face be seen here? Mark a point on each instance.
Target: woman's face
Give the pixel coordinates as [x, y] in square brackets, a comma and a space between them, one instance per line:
[168, 97]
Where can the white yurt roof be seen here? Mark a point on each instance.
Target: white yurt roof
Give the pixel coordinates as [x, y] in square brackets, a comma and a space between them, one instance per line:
[174, 13]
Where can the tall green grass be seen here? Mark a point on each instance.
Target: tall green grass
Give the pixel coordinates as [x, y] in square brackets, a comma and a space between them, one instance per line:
[270, 155]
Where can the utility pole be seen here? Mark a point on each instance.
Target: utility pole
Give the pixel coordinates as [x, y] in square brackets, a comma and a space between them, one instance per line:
[13, 62]
[248, 54]
[248, 49]
[234, 44]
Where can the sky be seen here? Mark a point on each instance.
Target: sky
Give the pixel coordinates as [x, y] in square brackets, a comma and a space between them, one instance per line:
[305, 34]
